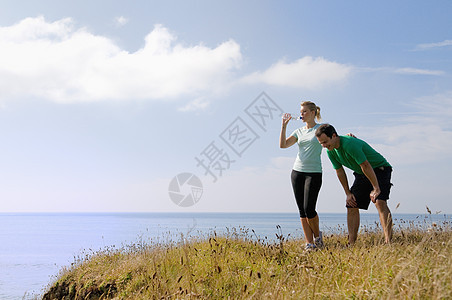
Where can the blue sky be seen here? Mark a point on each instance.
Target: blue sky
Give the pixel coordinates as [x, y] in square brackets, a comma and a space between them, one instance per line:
[103, 103]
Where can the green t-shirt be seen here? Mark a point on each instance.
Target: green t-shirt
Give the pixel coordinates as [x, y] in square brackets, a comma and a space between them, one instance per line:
[309, 150]
[352, 152]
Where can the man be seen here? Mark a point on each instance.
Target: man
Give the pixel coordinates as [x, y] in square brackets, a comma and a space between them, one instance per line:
[372, 177]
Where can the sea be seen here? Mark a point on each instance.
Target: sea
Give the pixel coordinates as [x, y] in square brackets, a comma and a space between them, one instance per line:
[34, 247]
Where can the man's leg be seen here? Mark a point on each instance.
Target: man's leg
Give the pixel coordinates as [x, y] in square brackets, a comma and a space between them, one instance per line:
[385, 219]
[352, 224]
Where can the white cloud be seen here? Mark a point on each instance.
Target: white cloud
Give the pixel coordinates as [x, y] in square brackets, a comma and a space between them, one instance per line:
[403, 71]
[59, 62]
[424, 136]
[306, 72]
[195, 105]
[414, 71]
[428, 46]
[35, 29]
[121, 21]
[408, 144]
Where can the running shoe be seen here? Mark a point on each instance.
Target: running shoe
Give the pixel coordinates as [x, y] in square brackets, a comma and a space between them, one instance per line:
[309, 247]
[318, 241]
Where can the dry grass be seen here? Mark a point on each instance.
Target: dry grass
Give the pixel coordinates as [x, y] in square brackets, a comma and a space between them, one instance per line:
[236, 265]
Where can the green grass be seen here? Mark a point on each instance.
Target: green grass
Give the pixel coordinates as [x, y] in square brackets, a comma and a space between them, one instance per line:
[417, 265]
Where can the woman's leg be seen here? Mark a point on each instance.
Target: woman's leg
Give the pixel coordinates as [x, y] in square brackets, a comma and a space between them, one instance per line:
[314, 225]
[307, 230]
[298, 184]
[313, 183]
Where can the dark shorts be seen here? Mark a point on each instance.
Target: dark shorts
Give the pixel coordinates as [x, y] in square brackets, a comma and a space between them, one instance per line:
[362, 187]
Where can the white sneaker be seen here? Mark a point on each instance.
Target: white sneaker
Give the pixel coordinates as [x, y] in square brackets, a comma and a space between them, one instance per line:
[318, 241]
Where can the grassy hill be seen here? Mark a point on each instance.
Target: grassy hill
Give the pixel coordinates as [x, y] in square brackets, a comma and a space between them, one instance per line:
[417, 265]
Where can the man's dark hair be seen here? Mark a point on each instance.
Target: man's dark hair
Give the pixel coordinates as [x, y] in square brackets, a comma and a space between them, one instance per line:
[327, 129]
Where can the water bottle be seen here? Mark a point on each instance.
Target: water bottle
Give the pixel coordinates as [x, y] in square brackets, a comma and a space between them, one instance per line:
[287, 116]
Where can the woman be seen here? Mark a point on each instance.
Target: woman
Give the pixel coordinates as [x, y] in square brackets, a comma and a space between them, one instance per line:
[307, 170]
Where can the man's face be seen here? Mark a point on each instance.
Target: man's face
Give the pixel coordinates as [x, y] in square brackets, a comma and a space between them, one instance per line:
[326, 142]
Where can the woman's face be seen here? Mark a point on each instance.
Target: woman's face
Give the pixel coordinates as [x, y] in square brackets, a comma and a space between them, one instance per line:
[307, 115]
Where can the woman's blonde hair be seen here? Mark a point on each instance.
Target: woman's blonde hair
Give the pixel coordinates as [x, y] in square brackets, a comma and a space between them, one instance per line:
[311, 106]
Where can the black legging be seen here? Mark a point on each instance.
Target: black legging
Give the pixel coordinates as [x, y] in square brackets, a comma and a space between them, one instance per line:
[306, 187]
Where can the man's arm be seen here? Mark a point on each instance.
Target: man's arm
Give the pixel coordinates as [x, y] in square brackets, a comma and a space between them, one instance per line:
[370, 174]
[350, 200]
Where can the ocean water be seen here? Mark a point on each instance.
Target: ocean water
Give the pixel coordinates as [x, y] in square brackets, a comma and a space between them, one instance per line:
[35, 246]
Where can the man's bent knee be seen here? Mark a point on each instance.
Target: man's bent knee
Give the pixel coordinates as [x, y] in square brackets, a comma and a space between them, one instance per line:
[381, 204]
